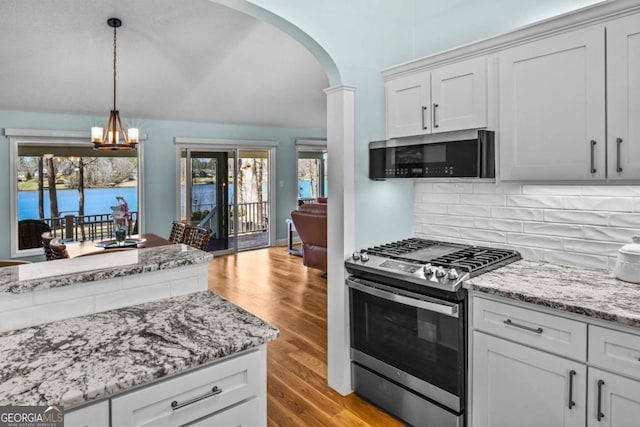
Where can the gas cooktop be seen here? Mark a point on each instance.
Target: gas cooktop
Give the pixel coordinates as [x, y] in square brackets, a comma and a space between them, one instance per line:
[431, 263]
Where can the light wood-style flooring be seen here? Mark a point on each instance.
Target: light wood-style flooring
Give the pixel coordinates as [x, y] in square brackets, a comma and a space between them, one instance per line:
[276, 286]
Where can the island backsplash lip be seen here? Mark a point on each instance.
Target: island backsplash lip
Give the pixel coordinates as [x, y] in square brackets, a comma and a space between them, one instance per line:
[584, 291]
[76, 361]
[148, 260]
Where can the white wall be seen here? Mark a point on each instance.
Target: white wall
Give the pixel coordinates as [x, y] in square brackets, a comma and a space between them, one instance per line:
[579, 225]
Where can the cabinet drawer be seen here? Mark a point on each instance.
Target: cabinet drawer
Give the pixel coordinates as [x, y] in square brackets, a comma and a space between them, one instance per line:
[245, 414]
[540, 330]
[237, 379]
[614, 350]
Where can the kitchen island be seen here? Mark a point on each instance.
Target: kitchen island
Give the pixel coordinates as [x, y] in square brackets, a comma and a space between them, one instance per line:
[110, 355]
[37, 293]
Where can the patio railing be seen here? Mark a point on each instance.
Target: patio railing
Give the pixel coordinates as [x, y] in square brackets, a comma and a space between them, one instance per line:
[87, 227]
[253, 217]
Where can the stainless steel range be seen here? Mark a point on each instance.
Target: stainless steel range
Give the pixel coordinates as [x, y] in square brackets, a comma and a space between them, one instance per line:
[408, 326]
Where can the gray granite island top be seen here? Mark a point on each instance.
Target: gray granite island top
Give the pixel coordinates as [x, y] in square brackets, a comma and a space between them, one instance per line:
[592, 293]
[54, 274]
[77, 360]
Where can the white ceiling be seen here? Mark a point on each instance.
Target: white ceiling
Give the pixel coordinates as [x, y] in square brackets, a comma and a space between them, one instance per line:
[186, 60]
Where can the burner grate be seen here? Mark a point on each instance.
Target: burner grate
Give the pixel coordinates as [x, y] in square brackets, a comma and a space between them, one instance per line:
[397, 249]
[471, 259]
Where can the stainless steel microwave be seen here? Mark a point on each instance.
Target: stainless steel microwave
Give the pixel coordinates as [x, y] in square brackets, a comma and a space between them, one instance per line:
[458, 154]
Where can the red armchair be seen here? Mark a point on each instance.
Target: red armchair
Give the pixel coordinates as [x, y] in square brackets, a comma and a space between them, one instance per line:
[310, 221]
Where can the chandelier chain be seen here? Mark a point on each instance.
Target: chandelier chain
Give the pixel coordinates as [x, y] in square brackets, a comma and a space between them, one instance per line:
[114, 68]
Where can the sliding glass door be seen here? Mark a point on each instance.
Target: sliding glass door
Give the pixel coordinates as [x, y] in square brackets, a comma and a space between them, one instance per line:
[227, 190]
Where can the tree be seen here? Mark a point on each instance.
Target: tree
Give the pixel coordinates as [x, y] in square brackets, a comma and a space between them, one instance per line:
[40, 188]
[53, 194]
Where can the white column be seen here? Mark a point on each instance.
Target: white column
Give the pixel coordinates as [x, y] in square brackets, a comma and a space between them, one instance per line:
[340, 224]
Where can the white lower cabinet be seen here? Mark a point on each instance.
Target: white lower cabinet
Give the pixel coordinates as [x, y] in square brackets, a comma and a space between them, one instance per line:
[93, 415]
[520, 378]
[515, 385]
[230, 392]
[201, 394]
[614, 400]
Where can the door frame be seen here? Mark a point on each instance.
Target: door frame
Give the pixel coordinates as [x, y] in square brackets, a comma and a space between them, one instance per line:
[236, 145]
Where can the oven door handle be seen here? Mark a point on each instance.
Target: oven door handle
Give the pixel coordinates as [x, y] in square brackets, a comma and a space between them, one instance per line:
[446, 309]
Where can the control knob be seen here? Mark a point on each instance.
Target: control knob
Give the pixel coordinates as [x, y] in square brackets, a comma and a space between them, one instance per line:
[452, 274]
[356, 256]
[440, 272]
[364, 257]
[428, 270]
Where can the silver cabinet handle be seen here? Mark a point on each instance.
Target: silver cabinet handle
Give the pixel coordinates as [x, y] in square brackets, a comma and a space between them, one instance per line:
[593, 155]
[215, 390]
[424, 109]
[508, 322]
[435, 118]
[618, 142]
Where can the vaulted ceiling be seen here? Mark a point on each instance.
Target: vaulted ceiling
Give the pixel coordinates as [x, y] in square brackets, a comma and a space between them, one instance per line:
[186, 60]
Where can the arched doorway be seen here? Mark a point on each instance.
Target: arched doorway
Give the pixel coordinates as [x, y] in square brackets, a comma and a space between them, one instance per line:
[341, 218]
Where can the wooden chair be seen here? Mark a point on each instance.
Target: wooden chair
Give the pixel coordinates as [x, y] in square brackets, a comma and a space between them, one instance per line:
[46, 240]
[178, 230]
[58, 249]
[198, 237]
[29, 232]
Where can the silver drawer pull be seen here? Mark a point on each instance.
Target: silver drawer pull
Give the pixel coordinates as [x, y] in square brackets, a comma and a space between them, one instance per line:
[215, 390]
[508, 322]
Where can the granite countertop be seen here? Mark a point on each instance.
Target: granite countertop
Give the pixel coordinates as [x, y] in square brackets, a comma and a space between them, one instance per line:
[53, 274]
[592, 293]
[77, 360]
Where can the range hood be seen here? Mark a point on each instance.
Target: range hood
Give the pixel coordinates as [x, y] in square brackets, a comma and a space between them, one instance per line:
[460, 154]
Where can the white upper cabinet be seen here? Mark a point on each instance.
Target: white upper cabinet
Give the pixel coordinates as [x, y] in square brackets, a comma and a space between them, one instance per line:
[448, 98]
[407, 101]
[552, 108]
[459, 96]
[623, 97]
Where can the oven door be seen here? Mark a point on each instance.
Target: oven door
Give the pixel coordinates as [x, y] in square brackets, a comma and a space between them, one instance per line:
[410, 339]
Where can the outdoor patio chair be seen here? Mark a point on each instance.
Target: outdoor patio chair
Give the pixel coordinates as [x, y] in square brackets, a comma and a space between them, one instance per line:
[178, 230]
[58, 249]
[29, 232]
[46, 238]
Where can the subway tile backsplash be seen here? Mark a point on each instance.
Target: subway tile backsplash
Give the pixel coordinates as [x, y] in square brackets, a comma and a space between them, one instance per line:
[562, 224]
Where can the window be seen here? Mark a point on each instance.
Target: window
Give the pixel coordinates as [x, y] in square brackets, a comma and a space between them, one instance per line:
[312, 170]
[62, 184]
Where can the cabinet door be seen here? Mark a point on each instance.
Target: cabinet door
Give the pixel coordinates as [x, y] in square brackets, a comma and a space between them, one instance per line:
[459, 96]
[514, 385]
[552, 108]
[619, 400]
[93, 415]
[408, 110]
[623, 97]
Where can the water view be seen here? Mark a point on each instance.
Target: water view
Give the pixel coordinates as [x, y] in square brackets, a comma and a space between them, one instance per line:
[96, 201]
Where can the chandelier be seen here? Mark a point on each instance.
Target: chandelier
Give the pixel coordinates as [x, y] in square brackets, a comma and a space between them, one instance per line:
[110, 140]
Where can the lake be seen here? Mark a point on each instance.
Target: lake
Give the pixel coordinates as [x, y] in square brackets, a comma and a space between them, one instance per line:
[96, 201]
[99, 200]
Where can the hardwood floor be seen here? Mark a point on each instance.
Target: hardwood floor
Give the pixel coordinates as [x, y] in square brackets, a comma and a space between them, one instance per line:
[276, 287]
